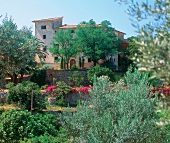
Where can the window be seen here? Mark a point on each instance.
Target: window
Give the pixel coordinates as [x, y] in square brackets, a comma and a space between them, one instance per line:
[89, 60]
[43, 27]
[44, 36]
[45, 49]
[55, 58]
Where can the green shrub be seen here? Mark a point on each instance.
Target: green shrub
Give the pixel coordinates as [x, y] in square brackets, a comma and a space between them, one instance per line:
[156, 82]
[109, 65]
[117, 77]
[77, 78]
[126, 116]
[44, 87]
[9, 85]
[17, 125]
[13, 125]
[41, 124]
[39, 77]
[60, 138]
[2, 110]
[74, 67]
[21, 95]
[99, 71]
[61, 88]
[136, 78]
[165, 119]
[60, 101]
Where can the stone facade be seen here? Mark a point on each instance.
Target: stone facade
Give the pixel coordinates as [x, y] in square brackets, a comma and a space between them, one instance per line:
[44, 30]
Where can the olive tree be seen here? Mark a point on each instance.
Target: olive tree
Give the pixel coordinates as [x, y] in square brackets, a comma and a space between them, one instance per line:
[152, 23]
[17, 50]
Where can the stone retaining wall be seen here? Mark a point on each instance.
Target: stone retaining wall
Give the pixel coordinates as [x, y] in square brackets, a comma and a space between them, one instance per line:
[62, 75]
[73, 98]
[3, 97]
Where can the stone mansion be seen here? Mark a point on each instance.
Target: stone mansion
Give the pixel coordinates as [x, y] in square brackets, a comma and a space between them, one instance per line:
[45, 30]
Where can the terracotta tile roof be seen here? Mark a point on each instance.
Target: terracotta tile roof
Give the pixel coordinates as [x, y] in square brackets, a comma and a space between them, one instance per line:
[119, 31]
[68, 26]
[49, 19]
[75, 26]
[125, 43]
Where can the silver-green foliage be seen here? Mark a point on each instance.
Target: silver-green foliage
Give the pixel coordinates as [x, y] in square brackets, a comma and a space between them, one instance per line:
[18, 49]
[125, 116]
[151, 20]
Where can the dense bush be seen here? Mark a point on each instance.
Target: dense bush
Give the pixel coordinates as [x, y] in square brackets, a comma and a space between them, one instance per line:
[39, 77]
[62, 88]
[59, 91]
[126, 116]
[117, 77]
[109, 65]
[17, 125]
[165, 120]
[156, 82]
[50, 89]
[12, 125]
[60, 138]
[76, 78]
[9, 85]
[99, 71]
[74, 67]
[21, 95]
[2, 110]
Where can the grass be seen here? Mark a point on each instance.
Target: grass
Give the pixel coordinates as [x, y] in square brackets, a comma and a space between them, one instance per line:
[49, 107]
[8, 107]
[59, 108]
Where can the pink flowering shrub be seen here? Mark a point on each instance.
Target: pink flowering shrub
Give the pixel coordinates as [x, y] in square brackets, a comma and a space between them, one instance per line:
[84, 89]
[73, 90]
[165, 91]
[50, 89]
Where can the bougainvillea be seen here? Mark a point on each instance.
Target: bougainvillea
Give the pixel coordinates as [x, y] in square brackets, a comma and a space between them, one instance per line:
[50, 89]
[84, 89]
[165, 91]
[73, 90]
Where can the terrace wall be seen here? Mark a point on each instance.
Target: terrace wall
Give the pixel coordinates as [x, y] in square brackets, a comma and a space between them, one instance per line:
[62, 75]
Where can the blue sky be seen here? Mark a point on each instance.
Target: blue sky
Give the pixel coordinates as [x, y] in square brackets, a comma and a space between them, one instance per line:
[74, 11]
